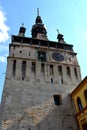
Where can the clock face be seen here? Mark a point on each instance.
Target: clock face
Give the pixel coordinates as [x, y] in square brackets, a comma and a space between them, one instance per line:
[58, 56]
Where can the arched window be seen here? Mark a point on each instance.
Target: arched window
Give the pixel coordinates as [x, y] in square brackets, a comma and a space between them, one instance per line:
[75, 71]
[60, 74]
[51, 80]
[23, 70]
[85, 94]
[60, 70]
[14, 68]
[79, 103]
[68, 71]
[33, 68]
[51, 70]
[42, 67]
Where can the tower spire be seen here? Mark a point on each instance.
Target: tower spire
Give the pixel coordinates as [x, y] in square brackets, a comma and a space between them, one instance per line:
[37, 11]
[38, 30]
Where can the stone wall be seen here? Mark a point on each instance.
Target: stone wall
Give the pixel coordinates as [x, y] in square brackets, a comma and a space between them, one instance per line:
[28, 96]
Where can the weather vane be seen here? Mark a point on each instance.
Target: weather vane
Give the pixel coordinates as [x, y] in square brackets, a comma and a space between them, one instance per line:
[57, 31]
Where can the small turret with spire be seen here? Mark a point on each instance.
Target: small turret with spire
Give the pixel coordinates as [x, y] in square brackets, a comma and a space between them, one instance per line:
[22, 30]
[60, 37]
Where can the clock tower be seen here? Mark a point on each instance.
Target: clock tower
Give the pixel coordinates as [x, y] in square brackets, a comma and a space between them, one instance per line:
[40, 76]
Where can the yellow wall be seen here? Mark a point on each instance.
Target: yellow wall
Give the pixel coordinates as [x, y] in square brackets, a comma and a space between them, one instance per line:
[81, 115]
[80, 93]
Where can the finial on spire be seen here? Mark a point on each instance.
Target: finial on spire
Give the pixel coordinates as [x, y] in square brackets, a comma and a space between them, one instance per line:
[57, 31]
[37, 11]
[22, 24]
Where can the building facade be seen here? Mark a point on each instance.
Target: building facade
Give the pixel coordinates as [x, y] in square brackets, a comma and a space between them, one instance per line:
[40, 75]
[79, 96]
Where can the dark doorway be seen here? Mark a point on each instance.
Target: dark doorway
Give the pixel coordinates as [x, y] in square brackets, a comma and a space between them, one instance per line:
[84, 126]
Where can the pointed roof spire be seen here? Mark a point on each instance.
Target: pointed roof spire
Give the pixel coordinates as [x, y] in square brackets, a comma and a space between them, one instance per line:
[38, 18]
[38, 30]
[22, 24]
[37, 11]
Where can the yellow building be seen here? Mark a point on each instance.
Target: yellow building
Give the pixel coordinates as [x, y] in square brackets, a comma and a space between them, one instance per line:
[79, 97]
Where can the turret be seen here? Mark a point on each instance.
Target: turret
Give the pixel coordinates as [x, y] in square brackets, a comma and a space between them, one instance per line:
[22, 31]
[60, 37]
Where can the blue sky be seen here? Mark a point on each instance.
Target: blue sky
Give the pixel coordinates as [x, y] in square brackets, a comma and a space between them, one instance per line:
[68, 16]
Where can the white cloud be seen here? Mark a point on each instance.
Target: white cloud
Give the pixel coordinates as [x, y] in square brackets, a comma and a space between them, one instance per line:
[3, 27]
[3, 53]
[2, 58]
